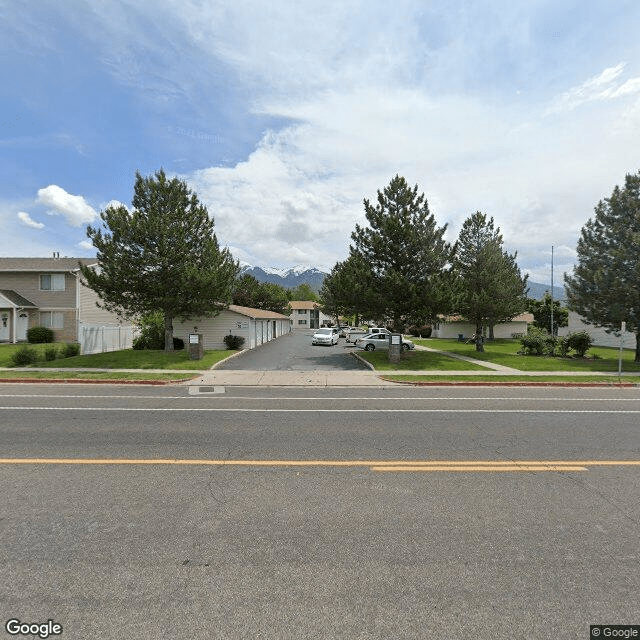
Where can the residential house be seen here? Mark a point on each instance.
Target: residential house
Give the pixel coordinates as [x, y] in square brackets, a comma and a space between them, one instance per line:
[256, 326]
[455, 326]
[306, 314]
[48, 292]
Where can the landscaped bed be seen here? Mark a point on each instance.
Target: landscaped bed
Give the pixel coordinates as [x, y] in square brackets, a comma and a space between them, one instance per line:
[505, 352]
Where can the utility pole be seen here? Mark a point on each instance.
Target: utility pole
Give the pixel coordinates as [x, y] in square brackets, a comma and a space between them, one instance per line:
[552, 331]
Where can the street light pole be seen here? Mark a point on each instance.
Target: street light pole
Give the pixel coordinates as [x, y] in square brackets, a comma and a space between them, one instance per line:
[552, 331]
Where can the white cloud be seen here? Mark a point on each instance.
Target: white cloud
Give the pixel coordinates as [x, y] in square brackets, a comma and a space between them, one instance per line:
[26, 220]
[86, 245]
[75, 209]
[600, 87]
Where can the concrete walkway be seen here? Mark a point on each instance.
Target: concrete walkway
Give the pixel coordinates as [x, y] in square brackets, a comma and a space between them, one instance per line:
[482, 363]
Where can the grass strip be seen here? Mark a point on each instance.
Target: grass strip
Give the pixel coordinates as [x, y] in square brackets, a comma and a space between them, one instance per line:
[87, 375]
[502, 379]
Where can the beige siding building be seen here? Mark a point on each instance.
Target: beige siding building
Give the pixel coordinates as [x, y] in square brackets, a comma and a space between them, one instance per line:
[48, 292]
[306, 314]
[254, 325]
[453, 327]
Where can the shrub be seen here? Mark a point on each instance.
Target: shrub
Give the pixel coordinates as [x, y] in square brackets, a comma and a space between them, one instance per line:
[51, 354]
[533, 342]
[24, 356]
[178, 344]
[580, 342]
[425, 332]
[233, 342]
[71, 349]
[39, 335]
[151, 332]
[564, 345]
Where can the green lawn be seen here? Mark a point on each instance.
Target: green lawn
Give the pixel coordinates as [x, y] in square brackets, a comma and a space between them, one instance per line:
[126, 359]
[492, 379]
[417, 361]
[88, 375]
[504, 352]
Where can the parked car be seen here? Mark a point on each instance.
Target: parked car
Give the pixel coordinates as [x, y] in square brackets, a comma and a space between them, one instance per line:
[380, 340]
[325, 335]
[344, 332]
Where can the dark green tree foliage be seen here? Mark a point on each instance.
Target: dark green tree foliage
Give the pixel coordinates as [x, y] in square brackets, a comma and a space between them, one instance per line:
[162, 256]
[303, 292]
[348, 289]
[406, 256]
[541, 310]
[489, 287]
[605, 285]
[249, 292]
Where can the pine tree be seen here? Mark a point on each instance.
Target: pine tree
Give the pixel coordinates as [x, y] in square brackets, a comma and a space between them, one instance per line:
[161, 256]
[488, 283]
[406, 256]
[605, 286]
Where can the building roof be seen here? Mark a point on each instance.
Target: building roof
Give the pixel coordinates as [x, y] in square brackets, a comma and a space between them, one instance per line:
[303, 304]
[43, 264]
[257, 313]
[16, 299]
[523, 317]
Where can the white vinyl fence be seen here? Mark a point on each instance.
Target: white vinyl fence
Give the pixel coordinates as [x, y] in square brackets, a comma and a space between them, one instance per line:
[100, 338]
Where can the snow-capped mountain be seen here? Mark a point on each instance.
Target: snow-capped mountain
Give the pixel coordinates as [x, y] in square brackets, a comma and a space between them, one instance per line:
[288, 278]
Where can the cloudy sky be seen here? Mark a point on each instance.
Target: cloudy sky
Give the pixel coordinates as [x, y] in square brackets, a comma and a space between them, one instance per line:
[283, 116]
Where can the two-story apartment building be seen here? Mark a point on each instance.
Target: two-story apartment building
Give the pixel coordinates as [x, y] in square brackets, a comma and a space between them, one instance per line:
[48, 292]
[306, 314]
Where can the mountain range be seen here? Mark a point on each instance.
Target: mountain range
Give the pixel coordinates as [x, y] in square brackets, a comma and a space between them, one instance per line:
[313, 276]
[287, 278]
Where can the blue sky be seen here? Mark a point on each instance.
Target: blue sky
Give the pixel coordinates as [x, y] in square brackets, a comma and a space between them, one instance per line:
[284, 116]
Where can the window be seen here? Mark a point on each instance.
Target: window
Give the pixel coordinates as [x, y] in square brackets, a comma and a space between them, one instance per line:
[302, 322]
[302, 311]
[52, 282]
[52, 319]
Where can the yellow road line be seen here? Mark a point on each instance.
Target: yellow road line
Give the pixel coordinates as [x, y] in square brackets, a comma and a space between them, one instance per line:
[482, 468]
[373, 465]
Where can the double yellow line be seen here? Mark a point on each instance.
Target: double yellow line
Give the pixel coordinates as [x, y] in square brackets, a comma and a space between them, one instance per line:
[481, 466]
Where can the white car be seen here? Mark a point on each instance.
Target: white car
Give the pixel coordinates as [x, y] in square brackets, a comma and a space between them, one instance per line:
[326, 335]
[380, 340]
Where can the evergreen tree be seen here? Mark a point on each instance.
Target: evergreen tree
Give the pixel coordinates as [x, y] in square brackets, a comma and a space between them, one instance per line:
[488, 284]
[605, 286]
[161, 256]
[405, 254]
[348, 289]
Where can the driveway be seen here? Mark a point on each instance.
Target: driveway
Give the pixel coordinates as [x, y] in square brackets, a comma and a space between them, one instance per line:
[294, 352]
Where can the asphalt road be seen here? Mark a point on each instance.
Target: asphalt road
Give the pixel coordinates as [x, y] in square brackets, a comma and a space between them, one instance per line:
[268, 514]
[294, 352]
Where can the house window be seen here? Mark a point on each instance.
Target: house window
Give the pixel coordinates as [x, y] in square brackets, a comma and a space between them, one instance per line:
[52, 282]
[302, 322]
[302, 311]
[52, 319]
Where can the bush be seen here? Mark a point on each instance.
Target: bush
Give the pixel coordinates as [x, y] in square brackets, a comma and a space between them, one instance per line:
[178, 344]
[233, 342]
[580, 342]
[24, 356]
[564, 345]
[71, 349]
[39, 335]
[51, 354]
[425, 332]
[533, 342]
[151, 332]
